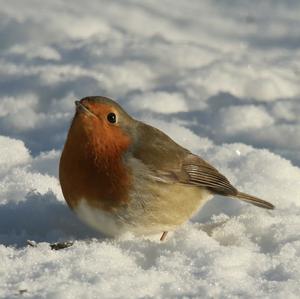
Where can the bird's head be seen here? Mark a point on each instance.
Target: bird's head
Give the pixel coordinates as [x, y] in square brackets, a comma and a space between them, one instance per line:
[102, 126]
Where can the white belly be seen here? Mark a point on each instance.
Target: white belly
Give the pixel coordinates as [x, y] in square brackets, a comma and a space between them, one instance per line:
[148, 213]
[102, 221]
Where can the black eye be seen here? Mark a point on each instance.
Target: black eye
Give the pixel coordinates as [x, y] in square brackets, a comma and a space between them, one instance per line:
[112, 118]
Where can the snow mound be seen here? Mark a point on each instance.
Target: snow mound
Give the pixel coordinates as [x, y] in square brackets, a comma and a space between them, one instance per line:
[13, 152]
[228, 241]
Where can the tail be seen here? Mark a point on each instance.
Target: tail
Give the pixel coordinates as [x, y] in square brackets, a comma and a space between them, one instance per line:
[254, 200]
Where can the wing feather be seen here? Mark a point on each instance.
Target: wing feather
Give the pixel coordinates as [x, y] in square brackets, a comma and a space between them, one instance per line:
[169, 163]
[202, 174]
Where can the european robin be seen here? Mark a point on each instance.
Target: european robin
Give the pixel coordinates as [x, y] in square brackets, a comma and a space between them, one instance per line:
[120, 174]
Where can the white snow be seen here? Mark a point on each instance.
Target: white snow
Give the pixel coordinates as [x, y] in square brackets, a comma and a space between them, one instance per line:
[160, 102]
[220, 77]
[240, 119]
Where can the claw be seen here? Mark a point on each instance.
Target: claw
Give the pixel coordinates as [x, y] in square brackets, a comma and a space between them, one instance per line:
[163, 236]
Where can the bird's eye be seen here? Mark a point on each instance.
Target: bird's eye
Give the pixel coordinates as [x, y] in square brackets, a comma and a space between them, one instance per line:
[111, 117]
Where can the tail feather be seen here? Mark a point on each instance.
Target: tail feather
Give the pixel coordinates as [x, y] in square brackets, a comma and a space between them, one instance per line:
[254, 200]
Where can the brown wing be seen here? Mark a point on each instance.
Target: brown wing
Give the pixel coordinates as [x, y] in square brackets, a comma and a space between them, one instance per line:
[157, 150]
[202, 174]
[171, 163]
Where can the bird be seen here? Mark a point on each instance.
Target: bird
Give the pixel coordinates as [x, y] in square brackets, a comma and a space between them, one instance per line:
[120, 175]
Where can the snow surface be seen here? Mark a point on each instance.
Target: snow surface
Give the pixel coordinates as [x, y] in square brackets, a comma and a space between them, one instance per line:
[221, 77]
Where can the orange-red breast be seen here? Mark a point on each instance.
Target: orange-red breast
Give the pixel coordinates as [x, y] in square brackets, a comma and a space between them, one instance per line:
[119, 174]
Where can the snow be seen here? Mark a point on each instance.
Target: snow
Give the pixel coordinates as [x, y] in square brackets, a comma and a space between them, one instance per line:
[221, 78]
[159, 102]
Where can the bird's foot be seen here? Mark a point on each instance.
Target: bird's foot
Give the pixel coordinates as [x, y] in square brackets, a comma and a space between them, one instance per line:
[163, 236]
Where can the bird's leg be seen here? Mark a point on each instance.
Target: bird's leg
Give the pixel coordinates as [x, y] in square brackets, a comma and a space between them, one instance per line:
[163, 236]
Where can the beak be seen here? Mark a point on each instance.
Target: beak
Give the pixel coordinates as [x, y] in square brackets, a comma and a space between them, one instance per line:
[81, 108]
